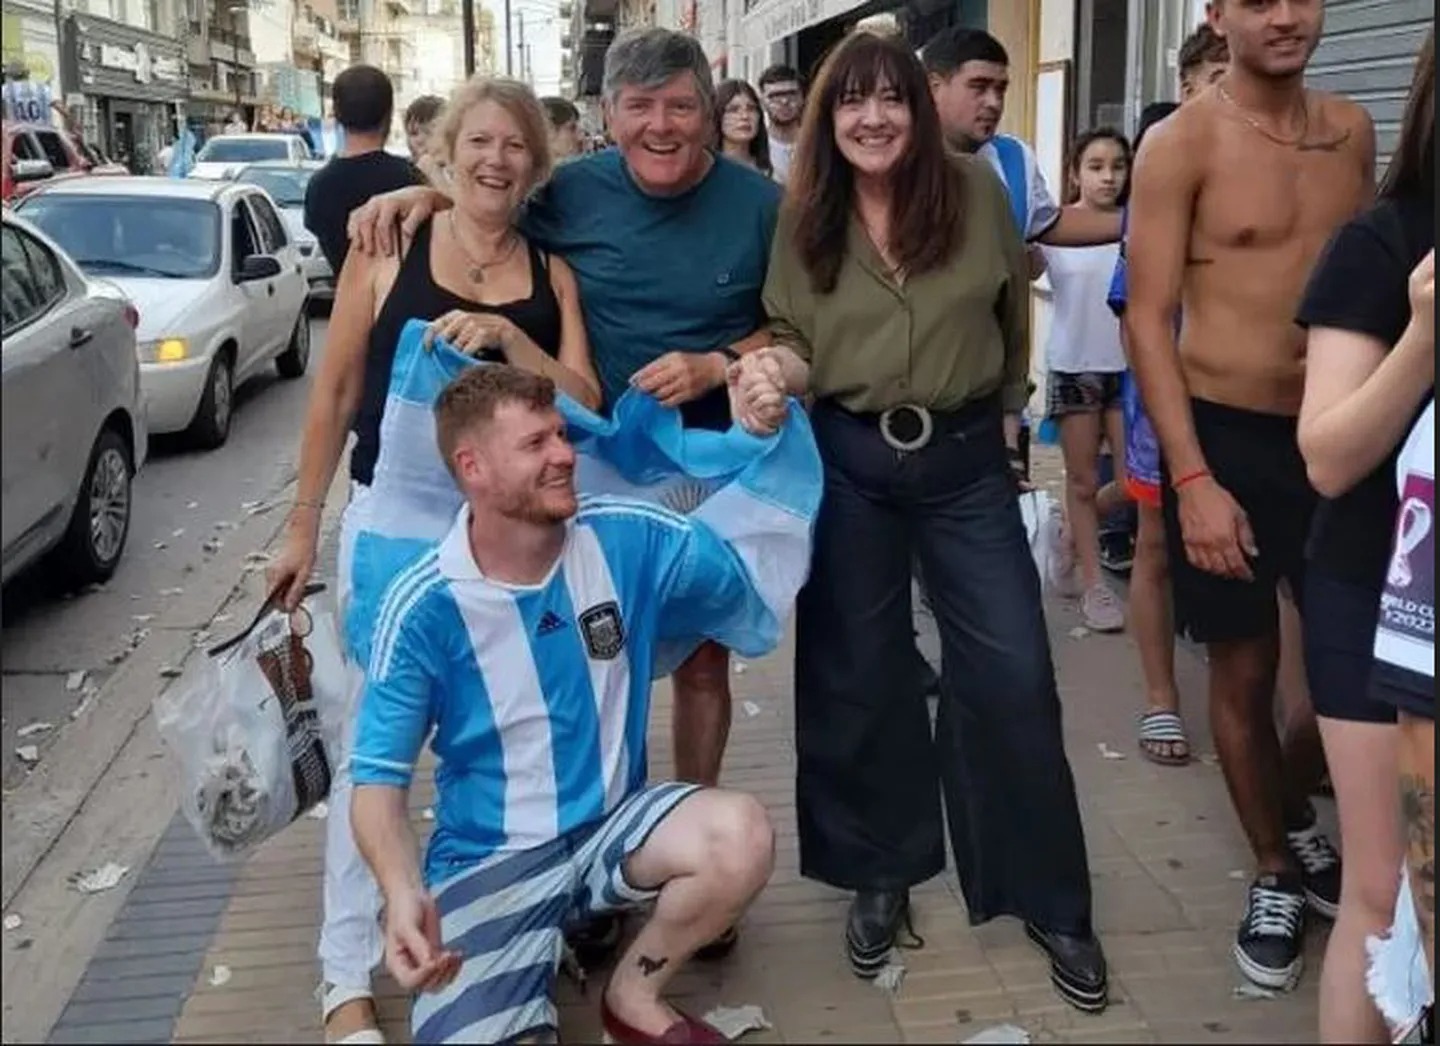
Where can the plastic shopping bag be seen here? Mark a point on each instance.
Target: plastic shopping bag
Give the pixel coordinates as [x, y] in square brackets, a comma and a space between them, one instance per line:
[258, 731]
[1042, 516]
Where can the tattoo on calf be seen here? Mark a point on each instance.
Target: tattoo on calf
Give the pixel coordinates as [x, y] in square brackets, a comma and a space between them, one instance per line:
[1417, 800]
[650, 967]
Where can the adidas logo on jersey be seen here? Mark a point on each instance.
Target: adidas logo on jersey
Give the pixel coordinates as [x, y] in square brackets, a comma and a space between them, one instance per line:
[549, 622]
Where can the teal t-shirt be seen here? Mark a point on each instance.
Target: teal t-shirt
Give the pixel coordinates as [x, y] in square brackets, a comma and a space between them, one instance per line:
[659, 274]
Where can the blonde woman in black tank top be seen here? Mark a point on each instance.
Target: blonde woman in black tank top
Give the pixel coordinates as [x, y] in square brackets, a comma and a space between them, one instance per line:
[486, 290]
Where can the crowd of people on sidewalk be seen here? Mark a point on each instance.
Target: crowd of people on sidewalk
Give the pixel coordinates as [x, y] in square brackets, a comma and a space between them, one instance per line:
[1239, 318]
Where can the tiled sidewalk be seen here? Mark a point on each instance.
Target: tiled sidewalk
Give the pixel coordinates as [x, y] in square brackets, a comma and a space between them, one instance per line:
[1165, 857]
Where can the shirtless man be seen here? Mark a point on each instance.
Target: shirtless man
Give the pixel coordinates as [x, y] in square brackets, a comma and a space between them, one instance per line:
[1234, 197]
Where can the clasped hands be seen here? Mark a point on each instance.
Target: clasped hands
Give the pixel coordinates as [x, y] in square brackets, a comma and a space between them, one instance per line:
[755, 384]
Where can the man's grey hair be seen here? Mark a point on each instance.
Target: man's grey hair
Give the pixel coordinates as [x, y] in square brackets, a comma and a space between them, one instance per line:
[650, 58]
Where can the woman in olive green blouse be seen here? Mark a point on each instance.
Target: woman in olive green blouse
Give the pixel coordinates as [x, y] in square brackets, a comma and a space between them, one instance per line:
[897, 275]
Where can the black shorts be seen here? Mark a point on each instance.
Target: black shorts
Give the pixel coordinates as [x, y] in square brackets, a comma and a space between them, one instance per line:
[1092, 392]
[1256, 457]
[1339, 640]
[1410, 692]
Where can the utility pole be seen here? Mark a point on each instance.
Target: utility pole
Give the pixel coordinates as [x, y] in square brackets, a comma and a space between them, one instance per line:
[521, 43]
[467, 23]
[509, 68]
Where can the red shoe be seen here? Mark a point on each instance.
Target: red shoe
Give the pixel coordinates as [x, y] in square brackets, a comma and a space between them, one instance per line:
[686, 1030]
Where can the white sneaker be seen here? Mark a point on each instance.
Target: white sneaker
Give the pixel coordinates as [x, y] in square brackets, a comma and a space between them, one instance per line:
[1100, 607]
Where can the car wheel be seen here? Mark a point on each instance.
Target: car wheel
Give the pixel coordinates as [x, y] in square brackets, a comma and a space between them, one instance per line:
[93, 542]
[211, 427]
[292, 362]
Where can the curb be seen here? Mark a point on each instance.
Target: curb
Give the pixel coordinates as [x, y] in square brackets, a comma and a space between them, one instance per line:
[38, 811]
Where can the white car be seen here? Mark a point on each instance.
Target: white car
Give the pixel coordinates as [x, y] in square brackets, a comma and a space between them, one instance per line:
[74, 418]
[225, 154]
[218, 281]
[286, 184]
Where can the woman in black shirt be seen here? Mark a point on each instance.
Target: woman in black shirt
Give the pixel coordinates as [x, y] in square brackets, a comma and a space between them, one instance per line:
[1370, 370]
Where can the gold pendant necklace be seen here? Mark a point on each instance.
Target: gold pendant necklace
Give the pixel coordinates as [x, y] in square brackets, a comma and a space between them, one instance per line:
[477, 268]
[1245, 115]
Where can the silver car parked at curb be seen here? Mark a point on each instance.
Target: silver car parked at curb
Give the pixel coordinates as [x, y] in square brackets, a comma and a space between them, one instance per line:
[74, 424]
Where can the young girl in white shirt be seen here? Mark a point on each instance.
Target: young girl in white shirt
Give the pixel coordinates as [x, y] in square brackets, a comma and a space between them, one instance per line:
[1085, 363]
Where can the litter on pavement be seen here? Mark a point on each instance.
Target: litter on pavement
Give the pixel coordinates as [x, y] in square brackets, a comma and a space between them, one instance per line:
[13, 921]
[34, 729]
[734, 1021]
[75, 680]
[1001, 1033]
[98, 880]
[1106, 752]
[28, 754]
[219, 975]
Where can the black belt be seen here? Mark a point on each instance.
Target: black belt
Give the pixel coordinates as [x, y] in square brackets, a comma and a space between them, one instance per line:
[910, 427]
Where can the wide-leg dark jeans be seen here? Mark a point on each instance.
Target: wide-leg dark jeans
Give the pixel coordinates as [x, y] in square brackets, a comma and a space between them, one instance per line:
[870, 771]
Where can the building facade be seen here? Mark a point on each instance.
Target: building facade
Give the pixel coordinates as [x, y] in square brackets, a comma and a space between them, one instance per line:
[127, 87]
[222, 64]
[30, 35]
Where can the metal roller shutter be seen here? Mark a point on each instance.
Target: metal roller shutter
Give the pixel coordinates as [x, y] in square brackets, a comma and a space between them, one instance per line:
[1368, 53]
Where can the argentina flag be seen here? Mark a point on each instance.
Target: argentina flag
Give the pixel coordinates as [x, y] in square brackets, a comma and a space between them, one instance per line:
[760, 495]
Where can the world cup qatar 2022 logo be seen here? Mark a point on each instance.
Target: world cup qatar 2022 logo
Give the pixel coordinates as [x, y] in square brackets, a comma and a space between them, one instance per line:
[1414, 525]
[1407, 608]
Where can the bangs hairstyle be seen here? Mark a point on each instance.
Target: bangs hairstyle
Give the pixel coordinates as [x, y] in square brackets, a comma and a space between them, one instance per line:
[1077, 156]
[1412, 168]
[927, 192]
[759, 146]
[515, 98]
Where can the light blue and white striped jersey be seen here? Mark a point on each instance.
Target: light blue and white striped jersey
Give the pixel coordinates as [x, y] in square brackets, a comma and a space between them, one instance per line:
[539, 696]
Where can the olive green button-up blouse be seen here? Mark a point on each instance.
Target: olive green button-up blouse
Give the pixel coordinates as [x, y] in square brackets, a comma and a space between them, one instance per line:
[938, 340]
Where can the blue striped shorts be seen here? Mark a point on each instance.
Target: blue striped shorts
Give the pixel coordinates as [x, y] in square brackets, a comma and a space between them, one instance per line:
[506, 917]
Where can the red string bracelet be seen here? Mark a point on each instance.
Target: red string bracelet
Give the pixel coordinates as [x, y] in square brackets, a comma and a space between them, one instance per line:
[1189, 477]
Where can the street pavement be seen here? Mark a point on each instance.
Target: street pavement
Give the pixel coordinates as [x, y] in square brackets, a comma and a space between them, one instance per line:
[185, 950]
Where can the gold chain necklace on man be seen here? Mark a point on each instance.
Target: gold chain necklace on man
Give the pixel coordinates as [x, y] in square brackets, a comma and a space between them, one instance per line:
[478, 267]
[1245, 115]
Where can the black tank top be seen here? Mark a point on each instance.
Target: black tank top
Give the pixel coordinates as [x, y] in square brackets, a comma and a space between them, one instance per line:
[416, 296]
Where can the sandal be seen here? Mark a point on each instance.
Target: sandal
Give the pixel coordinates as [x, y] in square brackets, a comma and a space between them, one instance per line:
[1162, 738]
[332, 997]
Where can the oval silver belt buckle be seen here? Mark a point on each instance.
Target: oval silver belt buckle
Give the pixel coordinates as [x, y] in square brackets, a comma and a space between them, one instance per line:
[921, 440]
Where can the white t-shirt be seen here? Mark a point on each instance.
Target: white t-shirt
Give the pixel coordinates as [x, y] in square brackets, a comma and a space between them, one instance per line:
[781, 153]
[1041, 211]
[1405, 636]
[1084, 333]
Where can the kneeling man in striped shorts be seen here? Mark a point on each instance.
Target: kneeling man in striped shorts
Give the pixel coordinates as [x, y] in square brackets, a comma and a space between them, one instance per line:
[522, 646]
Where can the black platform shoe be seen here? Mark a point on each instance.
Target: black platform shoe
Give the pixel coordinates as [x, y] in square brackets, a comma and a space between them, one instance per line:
[876, 919]
[1077, 967]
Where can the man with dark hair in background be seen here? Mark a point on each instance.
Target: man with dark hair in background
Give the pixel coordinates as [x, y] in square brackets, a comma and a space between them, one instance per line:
[364, 104]
[420, 117]
[784, 98]
[1204, 57]
[564, 120]
[1223, 394]
[969, 75]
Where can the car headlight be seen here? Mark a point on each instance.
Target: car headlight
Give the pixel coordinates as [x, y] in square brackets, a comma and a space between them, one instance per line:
[165, 350]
